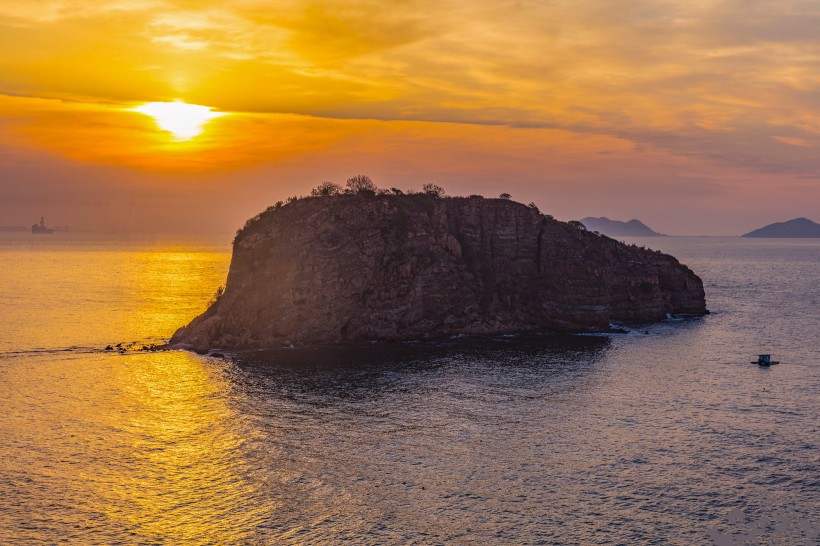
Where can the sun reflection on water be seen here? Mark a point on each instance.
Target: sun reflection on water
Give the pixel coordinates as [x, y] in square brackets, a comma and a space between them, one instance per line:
[100, 296]
[171, 287]
[156, 452]
[187, 476]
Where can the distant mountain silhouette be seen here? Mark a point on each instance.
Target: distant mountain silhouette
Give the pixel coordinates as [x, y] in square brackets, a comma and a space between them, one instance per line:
[799, 227]
[616, 228]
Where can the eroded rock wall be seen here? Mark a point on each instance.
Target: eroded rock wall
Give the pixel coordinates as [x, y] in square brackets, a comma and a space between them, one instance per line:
[354, 268]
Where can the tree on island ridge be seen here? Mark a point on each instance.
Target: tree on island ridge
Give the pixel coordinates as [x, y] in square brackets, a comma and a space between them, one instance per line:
[326, 188]
[433, 189]
[361, 184]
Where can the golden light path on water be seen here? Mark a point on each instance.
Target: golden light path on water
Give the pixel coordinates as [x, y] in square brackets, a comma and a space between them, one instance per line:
[160, 457]
[141, 442]
[99, 291]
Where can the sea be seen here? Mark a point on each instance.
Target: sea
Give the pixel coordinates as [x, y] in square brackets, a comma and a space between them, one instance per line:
[667, 434]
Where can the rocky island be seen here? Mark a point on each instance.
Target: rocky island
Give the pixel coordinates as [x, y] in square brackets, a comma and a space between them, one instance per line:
[797, 228]
[367, 265]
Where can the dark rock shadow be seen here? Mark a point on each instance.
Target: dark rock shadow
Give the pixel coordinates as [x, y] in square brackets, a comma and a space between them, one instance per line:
[332, 374]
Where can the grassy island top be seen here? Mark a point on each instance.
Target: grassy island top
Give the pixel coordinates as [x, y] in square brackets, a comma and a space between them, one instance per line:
[363, 185]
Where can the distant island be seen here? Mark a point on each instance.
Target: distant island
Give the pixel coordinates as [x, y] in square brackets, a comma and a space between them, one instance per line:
[365, 264]
[797, 228]
[616, 228]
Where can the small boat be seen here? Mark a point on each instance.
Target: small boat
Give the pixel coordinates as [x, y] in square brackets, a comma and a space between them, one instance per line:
[765, 360]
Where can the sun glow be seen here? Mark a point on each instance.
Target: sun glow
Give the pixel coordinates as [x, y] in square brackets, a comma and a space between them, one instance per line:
[184, 121]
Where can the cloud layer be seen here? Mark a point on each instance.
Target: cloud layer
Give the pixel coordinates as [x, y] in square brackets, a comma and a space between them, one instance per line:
[728, 88]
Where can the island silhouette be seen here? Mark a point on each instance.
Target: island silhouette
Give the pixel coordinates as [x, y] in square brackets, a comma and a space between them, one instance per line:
[362, 264]
[617, 228]
[797, 228]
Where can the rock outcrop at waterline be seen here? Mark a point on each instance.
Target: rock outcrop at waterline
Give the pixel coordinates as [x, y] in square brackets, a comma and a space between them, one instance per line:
[351, 268]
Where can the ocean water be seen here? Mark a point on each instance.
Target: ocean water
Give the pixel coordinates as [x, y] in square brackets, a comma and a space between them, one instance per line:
[665, 435]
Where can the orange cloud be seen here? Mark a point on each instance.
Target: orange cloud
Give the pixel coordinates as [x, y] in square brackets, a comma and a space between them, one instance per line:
[117, 135]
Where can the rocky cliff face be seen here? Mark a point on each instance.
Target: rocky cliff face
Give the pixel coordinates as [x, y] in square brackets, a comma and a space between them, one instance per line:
[351, 268]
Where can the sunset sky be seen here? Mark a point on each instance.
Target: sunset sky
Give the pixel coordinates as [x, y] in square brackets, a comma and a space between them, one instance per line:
[695, 116]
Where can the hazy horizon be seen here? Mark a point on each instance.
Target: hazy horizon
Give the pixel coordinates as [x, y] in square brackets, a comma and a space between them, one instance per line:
[180, 230]
[697, 118]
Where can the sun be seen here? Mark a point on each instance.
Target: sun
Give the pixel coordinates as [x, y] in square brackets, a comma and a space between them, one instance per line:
[184, 121]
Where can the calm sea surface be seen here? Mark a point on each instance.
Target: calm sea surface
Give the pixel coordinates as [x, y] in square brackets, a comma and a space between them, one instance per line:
[666, 435]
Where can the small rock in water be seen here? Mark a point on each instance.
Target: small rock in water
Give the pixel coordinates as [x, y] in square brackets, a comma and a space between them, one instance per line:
[109, 348]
